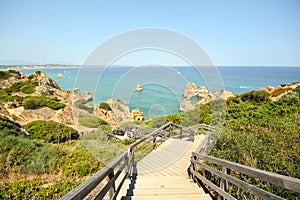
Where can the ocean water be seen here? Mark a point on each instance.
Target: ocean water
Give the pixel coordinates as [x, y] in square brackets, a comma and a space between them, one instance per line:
[163, 86]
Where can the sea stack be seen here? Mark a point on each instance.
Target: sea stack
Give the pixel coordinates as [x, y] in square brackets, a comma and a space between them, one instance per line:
[139, 87]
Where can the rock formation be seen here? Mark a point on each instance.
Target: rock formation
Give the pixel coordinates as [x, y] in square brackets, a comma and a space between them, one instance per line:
[16, 112]
[193, 96]
[119, 112]
[137, 114]
[277, 92]
[223, 94]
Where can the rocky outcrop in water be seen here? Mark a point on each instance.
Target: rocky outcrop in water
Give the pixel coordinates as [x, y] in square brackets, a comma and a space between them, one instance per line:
[193, 96]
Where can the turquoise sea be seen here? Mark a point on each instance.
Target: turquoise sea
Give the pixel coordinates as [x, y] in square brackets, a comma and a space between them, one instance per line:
[163, 86]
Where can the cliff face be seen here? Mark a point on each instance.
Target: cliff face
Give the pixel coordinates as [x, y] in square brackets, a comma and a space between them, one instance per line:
[16, 111]
[193, 96]
[277, 92]
[119, 112]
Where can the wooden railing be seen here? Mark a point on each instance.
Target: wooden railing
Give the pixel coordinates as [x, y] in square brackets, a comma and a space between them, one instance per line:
[199, 167]
[109, 180]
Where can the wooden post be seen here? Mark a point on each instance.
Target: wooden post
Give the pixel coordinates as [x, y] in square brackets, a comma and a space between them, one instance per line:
[180, 133]
[154, 141]
[127, 169]
[193, 168]
[113, 187]
[224, 183]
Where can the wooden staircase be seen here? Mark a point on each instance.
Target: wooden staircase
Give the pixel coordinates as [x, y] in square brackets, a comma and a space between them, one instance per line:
[162, 174]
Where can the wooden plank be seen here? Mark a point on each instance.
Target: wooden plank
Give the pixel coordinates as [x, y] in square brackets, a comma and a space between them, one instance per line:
[239, 183]
[150, 135]
[110, 183]
[86, 187]
[286, 182]
[203, 143]
[224, 183]
[119, 187]
[213, 186]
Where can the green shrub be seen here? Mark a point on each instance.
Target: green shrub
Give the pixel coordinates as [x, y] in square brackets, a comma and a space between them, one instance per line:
[105, 106]
[91, 121]
[37, 102]
[201, 114]
[14, 72]
[11, 99]
[263, 136]
[54, 105]
[8, 74]
[79, 163]
[4, 75]
[297, 90]
[102, 148]
[256, 96]
[50, 131]
[175, 118]
[29, 88]
[280, 91]
[8, 127]
[128, 141]
[20, 155]
[82, 105]
[157, 122]
[38, 189]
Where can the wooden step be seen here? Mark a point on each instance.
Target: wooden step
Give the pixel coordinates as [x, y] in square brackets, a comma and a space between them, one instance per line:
[162, 174]
[171, 197]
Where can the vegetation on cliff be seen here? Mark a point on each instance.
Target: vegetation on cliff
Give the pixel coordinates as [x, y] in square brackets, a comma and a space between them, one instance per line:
[83, 105]
[50, 131]
[91, 121]
[19, 91]
[104, 106]
[263, 136]
[37, 102]
[9, 73]
[35, 168]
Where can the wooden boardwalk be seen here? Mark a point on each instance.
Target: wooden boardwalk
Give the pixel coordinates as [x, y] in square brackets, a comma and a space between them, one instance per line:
[162, 174]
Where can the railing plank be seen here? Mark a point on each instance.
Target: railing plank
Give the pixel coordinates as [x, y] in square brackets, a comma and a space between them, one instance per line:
[276, 179]
[150, 135]
[86, 187]
[213, 186]
[239, 183]
[110, 183]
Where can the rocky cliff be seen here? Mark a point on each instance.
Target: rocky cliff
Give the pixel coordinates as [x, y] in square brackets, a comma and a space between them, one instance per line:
[193, 96]
[45, 88]
[277, 92]
[119, 112]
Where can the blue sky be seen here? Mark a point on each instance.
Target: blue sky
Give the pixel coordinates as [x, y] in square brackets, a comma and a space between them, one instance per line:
[232, 32]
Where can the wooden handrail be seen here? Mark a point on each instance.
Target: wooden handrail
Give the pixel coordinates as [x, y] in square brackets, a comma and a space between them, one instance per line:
[276, 179]
[86, 187]
[200, 157]
[126, 164]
